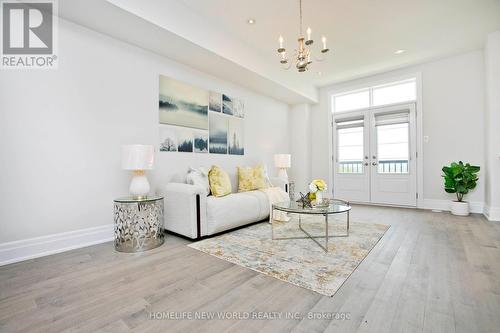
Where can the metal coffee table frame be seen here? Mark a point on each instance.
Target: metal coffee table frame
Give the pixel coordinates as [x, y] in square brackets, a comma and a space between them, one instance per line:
[296, 209]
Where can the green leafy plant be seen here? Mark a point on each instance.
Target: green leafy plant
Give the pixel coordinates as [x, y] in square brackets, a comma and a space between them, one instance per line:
[460, 178]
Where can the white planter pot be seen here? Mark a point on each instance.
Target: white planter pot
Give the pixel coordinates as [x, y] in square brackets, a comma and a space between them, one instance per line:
[460, 208]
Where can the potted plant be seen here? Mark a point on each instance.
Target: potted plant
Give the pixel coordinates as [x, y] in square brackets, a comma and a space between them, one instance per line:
[460, 178]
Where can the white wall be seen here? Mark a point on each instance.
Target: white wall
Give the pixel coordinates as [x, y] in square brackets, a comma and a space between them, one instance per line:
[492, 133]
[300, 143]
[61, 132]
[453, 119]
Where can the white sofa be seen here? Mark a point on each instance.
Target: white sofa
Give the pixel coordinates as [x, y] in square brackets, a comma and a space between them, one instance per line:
[190, 213]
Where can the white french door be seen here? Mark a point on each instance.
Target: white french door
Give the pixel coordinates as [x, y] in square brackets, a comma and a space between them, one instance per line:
[375, 156]
[351, 156]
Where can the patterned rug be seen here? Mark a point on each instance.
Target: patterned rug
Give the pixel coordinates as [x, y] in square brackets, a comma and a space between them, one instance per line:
[298, 261]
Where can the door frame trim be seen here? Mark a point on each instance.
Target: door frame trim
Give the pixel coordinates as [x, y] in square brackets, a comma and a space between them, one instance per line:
[418, 125]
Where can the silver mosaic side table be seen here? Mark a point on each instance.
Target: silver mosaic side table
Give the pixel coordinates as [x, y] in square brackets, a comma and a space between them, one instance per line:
[138, 223]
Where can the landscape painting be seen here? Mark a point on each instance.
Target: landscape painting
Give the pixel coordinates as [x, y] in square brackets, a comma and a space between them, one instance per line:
[218, 134]
[238, 108]
[236, 136]
[215, 101]
[184, 140]
[182, 105]
[168, 138]
[227, 105]
[200, 141]
[197, 120]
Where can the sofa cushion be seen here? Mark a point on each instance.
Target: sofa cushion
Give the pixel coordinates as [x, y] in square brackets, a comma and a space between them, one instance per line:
[251, 178]
[198, 177]
[220, 185]
[235, 210]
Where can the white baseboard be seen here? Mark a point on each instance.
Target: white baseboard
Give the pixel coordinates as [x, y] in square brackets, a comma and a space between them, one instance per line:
[492, 213]
[475, 206]
[25, 249]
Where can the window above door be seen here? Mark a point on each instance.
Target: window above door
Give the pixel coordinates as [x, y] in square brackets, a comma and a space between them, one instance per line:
[375, 96]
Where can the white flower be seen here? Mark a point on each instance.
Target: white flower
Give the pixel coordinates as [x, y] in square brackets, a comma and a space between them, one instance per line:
[313, 188]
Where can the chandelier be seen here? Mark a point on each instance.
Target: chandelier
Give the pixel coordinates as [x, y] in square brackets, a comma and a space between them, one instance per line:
[303, 53]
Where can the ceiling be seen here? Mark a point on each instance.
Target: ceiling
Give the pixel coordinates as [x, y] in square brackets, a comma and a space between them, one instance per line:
[214, 36]
[362, 34]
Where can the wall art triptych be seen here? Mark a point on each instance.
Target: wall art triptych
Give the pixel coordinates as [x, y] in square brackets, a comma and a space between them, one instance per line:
[195, 120]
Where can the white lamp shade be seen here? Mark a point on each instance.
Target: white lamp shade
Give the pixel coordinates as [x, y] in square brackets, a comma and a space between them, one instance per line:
[137, 157]
[282, 160]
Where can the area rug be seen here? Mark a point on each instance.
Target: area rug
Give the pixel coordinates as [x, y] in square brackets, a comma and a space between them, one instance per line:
[298, 261]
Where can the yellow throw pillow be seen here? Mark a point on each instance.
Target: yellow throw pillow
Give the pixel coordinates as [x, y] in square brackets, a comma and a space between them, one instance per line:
[220, 184]
[250, 179]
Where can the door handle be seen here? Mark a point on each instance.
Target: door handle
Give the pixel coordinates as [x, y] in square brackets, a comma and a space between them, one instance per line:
[374, 163]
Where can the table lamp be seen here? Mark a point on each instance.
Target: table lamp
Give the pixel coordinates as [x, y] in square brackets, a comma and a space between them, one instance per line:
[138, 158]
[282, 162]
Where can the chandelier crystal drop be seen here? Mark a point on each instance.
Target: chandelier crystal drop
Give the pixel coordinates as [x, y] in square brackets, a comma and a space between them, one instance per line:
[303, 55]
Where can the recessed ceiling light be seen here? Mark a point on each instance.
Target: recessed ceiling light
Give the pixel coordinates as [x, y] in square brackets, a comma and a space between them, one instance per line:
[399, 51]
[251, 21]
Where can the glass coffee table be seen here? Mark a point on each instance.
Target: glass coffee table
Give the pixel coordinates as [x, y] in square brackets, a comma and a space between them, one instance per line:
[336, 206]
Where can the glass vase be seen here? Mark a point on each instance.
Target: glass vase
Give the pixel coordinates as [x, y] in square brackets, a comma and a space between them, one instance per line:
[319, 197]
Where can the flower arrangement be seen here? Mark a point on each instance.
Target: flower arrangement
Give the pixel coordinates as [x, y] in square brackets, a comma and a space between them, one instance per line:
[316, 187]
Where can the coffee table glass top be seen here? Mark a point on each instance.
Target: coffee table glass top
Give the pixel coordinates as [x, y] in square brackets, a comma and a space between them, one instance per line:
[131, 199]
[336, 206]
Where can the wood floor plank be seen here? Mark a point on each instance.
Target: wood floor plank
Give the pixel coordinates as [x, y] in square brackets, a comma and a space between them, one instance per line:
[380, 313]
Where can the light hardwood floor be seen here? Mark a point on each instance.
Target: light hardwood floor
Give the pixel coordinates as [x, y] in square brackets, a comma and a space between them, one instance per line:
[431, 272]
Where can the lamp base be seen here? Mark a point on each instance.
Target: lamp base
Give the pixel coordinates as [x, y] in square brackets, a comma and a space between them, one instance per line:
[282, 174]
[139, 185]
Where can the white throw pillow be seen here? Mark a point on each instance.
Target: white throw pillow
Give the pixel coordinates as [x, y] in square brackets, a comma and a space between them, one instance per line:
[198, 177]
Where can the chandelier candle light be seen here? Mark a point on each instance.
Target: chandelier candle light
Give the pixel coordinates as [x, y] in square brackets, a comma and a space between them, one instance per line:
[303, 53]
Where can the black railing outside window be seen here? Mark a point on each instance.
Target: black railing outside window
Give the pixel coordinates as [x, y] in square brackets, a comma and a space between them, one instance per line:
[393, 166]
[351, 167]
[386, 166]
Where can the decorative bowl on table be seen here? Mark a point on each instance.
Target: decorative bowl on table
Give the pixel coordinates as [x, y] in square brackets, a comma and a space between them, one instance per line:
[323, 203]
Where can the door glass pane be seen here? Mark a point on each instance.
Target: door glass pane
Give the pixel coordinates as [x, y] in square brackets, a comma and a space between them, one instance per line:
[402, 92]
[393, 148]
[350, 150]
[352, 101]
